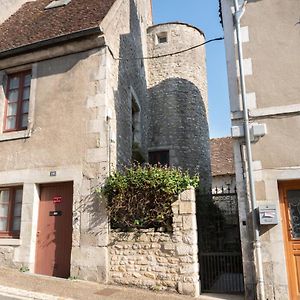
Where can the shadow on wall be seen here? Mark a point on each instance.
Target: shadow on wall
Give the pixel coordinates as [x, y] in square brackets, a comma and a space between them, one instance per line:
[172, 113]
[131, 76]
[179, 124]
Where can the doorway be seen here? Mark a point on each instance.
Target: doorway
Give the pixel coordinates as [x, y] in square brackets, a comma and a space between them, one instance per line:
[220, 254]
[54, 232]
[290, 212]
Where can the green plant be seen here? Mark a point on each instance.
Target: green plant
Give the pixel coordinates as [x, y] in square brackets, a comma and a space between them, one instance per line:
[24, 269]
[141, 196]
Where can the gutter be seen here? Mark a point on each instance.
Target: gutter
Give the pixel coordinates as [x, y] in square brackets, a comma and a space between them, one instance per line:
[50, 42]
[239, 11]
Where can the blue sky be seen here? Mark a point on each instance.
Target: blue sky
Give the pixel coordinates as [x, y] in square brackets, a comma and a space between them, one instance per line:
[204, 15]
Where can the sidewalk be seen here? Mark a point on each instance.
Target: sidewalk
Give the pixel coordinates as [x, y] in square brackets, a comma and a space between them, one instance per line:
[29, 286]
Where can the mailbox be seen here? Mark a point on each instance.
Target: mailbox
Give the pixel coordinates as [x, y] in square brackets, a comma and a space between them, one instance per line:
[268, 214]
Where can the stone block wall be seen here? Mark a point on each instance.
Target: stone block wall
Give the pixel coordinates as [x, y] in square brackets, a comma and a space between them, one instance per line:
[159, 260]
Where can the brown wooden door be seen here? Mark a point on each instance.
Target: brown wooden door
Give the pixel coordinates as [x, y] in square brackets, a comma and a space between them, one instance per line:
[54, 233]
[290, 210]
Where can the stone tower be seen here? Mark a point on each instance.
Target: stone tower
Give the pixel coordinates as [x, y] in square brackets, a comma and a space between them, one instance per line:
[177, 88]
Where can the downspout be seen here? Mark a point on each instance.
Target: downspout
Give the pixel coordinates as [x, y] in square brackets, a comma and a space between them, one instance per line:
[239, 11]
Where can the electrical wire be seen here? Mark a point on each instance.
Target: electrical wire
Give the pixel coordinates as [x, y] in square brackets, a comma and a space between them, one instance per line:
[164, 55]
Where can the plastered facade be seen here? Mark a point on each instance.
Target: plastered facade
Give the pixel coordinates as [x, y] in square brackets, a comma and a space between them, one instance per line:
[80, 124]
[270, 36]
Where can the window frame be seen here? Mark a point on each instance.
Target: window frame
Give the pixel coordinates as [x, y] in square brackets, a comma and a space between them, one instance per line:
[154, 154]
[162, 38]
[20, 102]
[9, 232]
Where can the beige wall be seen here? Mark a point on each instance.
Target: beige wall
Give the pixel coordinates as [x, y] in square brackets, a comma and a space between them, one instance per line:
[280, 148]
[58, 135]
[274, 49]
[75, 92]
[67, 104]
[125, 34]
[270, 41]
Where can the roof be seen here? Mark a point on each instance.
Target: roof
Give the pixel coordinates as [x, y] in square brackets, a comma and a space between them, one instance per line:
[222, 160]
[32, 23]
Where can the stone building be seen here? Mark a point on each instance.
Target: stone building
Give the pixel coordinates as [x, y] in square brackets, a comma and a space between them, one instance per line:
[269, 39]
[77, 100]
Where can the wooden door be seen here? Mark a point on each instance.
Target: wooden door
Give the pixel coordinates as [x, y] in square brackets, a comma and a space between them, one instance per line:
[290, 211]
[54, 233]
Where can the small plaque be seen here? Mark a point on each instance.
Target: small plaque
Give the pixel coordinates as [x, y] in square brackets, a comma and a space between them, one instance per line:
[52, 173]
[57, 199]
[55, 213]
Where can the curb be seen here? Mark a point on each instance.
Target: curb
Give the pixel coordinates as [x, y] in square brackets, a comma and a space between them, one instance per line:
[25, 294]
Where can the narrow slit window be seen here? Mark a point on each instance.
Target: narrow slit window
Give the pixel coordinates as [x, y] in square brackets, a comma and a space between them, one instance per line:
[162, 38]
[160, 157]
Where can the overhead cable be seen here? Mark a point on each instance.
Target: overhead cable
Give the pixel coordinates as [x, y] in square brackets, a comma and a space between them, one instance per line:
[164, 55]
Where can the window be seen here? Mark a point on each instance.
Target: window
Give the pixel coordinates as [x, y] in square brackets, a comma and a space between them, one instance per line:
[17, 101]
[159, 157]
[57, 3]
[135, 120]
[162, 37]
[10, 211]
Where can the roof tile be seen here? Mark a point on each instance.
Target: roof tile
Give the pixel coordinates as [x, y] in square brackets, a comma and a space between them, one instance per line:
[222, 159]
[32, 23]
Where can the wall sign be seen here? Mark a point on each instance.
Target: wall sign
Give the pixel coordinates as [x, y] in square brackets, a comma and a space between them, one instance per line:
[52, 173]
[57, 199]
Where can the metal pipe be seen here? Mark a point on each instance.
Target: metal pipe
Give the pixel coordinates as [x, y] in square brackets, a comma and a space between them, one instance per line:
[239, 11]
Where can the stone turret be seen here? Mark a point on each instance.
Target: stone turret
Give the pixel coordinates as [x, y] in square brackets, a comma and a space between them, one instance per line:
[178, 97]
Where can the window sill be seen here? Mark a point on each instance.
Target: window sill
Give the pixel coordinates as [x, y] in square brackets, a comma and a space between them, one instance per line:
[15, 135]
[9, 242]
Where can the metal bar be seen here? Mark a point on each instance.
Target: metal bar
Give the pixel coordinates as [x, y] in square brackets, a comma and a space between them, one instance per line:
[239, 11]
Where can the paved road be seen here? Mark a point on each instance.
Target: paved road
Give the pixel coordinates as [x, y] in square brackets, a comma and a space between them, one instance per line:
[15, 285]
[2, 297]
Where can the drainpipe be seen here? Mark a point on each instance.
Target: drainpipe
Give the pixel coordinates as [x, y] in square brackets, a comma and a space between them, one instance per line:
[239, 11]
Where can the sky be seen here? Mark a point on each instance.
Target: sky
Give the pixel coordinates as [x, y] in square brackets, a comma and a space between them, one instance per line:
[204, 14]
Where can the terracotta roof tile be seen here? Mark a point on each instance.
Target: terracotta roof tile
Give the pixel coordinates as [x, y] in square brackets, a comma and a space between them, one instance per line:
[32, 23]
[222, 159]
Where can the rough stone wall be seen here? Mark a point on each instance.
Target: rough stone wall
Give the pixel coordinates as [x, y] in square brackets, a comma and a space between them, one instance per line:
[178, 98]
[7, 256]
[156, 260]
